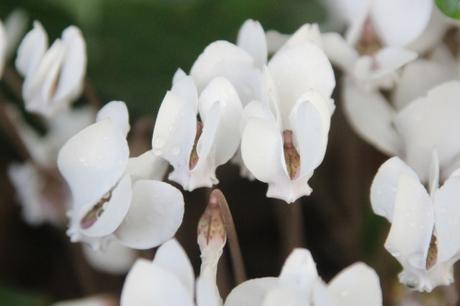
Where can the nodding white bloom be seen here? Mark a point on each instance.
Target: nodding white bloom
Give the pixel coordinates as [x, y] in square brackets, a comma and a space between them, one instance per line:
[113, 259]
[196, 134]
[169, 279]
[428, 122]
[300, 285]
[53, 77]
[10, 32]
[44, 199]
[422, 222]
[381, 21]
[114, 196]
[285, 136]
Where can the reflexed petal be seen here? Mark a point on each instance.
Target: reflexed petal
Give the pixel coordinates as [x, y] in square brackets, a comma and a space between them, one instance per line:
[385, 186]
[446, 211]
[112, 213]
[147, 166]
[275, 40]
[251, 38]
[15, 26]
[339, 51]
[114, 259]
[299, 271]
[286, 296]
[118, 113]
[307, 33]
[93, 161]
[390, 16]
[321, 295]
[155, 215]
[184, 87]
[256, 109]
[412, 224]
[433, 34]
[251, 292]
[298, 69]
[431, 122]
[73, 68]
[31, 50]
[433, 182]
[357, 285]
[172, 258]
[371, 117]
[148, 284]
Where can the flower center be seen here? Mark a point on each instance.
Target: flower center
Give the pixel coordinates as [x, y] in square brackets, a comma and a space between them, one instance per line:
[291, 156]
[91, 216]
[194, 154]
[369, 43]
[432, 252]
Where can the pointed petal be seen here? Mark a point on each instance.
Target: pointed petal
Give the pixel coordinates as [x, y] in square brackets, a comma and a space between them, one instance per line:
[185, 88]
[251, 292]
[390, 16]
[118, 113]
[307, 33]
[114, 259]
[155, 215]
[357, 285]
[15, 27]
[147, 166]
[339, 51]
[299, 271]
[172, 258]
[412, 224]
[371, 117]
[251, 38]
[93, 161]
[385, 186]
[148, 284]
[31, 50]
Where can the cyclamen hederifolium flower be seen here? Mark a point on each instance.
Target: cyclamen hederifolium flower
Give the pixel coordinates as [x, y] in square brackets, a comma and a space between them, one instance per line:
[300, 285]
[53, 77]
[423, 223]
[116, 197]
[11, 31]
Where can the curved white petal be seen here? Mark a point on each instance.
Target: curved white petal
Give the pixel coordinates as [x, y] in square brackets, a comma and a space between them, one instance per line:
[31, 50]
[298, 69]
[390, 16]
[147, 166]
[114, 259]
[15, 26]
[185, 88]
[433, 34]
[155, 215]
[306, 33]
[357, 285]
[429, 123]
[118, 113]
[299, 271]
[339, 51]
[275, 40]
[412, 224]
[385, 186]
[446, 211]
[93, 161]
[251, 292]
[371, 117]
[172, 258]
[73, 69]
[321, 295]
[148, 284]
[286, 296]
[251, 38]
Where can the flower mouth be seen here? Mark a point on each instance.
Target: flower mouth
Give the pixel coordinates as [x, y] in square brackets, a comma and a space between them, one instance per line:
[94, 213]
[369, 43]
[193, 161]
[432, 255]
[291, 156]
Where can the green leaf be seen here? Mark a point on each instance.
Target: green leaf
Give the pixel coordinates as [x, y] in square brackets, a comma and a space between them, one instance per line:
[450, 8]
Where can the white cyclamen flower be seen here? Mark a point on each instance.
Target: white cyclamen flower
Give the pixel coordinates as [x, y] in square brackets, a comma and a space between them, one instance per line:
[285, 136]
[114, 196]
[300, 285]
[423, 222]
[428, 122]
[53, 77]
[11, 31]
[197, 134]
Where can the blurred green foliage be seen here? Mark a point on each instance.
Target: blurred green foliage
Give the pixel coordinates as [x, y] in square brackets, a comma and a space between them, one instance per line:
[12, 297]
[450, 8]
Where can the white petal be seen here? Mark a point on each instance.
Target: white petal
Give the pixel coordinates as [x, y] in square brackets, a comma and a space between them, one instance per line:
[298, 69]
[155, 215]
[433, 182]
[412, 224]
[93, 161]
[89, 301]
[390, 16]
[307, 33]
[275, 40]
[147, 166]
[207, 293]
[251, 38]
[357, 285]
[114, 259]
[118, 113]
[321, 295]
[371, 117]
[286, 296]
[148, 284]
[385, 186]
[15, 26]
[73, 68]
[3, 48]
[184, 87]
[433, 34]
[299, 271]
[31, 50]
[339, 51]
[429, 123]
[446, 211]
[172, 258]
[251, 292]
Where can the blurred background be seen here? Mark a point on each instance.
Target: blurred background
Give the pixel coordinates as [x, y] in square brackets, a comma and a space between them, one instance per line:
[134, 48]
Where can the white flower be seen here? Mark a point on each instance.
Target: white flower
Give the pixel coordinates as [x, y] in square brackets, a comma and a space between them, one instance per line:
[285, 136]
[53, 77]
[114, 196]
[89, 301]
[10, 33]
[300, 285]
[114, 259]
[197, 134]
[428, 122]
[423, 222]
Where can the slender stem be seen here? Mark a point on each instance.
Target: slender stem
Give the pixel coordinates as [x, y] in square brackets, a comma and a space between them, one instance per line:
[291, 225]
[89, 93]
[234, 245]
